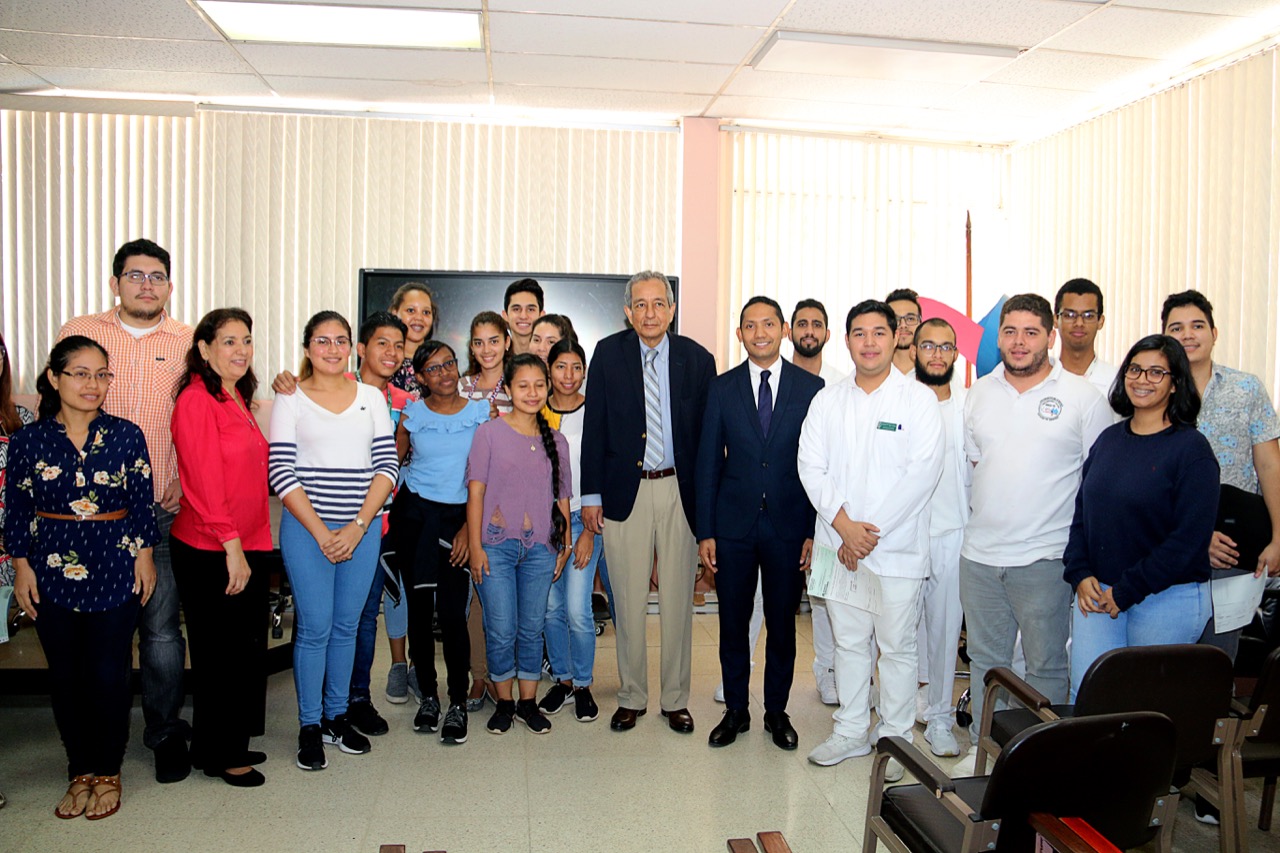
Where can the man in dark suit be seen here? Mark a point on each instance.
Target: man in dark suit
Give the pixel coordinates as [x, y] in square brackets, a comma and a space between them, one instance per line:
[646, 390]
[753, 511]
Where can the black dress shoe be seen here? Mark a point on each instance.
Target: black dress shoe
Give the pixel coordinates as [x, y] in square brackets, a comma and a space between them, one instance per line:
[779, 725]
[173, 764]
[679, 720]
[624, 719]
[733, 724]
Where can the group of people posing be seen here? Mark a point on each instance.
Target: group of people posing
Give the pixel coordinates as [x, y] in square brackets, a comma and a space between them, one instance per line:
[484, 500]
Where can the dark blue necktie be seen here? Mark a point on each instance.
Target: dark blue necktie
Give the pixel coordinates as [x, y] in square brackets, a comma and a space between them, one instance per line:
[764, 404]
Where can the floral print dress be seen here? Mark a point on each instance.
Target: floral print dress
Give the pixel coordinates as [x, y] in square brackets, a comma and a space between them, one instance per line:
[80, 565]
[6, 565]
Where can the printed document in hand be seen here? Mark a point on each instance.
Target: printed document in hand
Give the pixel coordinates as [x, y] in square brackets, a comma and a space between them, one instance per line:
[1235, 599]
[828, 578]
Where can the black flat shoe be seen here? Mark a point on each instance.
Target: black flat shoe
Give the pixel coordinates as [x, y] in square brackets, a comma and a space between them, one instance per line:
[252, 779]
[733, 724]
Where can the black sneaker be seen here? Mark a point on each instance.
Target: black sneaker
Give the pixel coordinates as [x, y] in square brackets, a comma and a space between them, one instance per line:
[454, 729]
[500, 722]
[311, 749]
[366, 719]
[584, 707]
[555, 698]
[527, 712]
[173, 762]
[338, 732]
[428, 717]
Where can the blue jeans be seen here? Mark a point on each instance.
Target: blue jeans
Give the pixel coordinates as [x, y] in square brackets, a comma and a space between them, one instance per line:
[162, 651]
[367, 640]
[328, 600]
[570, 631]
[1174, 615]
[997, 601]
[602, 569]
[514, 598]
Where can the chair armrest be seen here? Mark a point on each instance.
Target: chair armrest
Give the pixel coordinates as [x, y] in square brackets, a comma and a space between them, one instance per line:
[1065, 839]
[773, 842]
[741, 845]
[1026, 694]
[925, 771]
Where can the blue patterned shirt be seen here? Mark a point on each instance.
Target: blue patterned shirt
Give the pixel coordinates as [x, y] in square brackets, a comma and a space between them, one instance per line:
[1236, 414]
[80, 565]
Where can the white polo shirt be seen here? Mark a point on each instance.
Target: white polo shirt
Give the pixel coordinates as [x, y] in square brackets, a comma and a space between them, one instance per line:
[879, 457]
[1100, 376]
[1028, 450]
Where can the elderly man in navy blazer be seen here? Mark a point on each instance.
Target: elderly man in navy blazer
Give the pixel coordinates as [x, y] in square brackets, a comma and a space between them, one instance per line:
[753, 512]
[647, 388]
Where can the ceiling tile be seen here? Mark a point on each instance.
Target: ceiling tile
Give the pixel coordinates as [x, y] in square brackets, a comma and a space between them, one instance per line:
[121, 53]
[598, 99]
[195, 84]
[171, 19]
[1141, 32]
[1063, 70]
[1022, 23]
[365, 62]
[378, 91]
[14, 79]
[843, 90]
[633, 74]
[1244, 8]
[999, 98]
[759, 13]
[564, 36]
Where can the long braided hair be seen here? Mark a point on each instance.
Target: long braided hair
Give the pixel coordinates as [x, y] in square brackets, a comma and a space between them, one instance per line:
[558, 522]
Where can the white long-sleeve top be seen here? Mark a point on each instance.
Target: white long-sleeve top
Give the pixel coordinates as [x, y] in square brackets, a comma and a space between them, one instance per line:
[879, 457]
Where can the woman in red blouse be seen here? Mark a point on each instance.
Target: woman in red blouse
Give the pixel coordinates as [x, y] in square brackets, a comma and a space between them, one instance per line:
[218, 541]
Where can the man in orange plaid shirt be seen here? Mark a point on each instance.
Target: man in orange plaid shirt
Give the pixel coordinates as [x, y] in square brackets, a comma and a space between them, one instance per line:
[147, 352]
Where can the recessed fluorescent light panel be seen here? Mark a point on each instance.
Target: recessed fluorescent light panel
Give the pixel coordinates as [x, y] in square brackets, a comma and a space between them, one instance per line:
[366, 26]
[881, 58]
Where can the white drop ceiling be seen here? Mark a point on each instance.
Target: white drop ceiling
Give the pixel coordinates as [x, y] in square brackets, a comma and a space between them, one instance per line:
[649, 61]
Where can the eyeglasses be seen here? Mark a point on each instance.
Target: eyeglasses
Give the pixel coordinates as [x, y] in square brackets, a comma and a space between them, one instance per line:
[337, 343]
[908, 319]
[433, 369]
[159, 279]
[1069, 316]
[930, 346]
[1155, 375]
[104, 377]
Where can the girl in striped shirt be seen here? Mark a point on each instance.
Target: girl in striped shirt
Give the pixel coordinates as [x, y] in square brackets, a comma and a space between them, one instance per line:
[332, 462]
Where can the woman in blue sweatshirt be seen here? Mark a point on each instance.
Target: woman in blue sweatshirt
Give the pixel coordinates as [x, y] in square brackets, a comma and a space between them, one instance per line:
[1138, 553]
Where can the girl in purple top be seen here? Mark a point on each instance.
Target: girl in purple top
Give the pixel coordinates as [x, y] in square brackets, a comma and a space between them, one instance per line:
[518, 489]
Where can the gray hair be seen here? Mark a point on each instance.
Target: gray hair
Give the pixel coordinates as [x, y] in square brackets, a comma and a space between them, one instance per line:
[649, 275]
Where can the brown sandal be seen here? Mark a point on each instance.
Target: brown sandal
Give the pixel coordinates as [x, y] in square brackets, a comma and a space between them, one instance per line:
[112, 786]
[81, 785]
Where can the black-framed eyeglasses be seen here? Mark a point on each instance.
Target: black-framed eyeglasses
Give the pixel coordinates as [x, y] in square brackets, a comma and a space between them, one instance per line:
[909, 319]
[1155, 375]
[1067, 315]
[138, 277]
[433, 369]
[930, 346]
[103, 376]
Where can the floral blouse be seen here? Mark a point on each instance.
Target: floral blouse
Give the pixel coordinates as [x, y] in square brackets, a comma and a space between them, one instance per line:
[406, 380]
[6, 565]
[80, 565]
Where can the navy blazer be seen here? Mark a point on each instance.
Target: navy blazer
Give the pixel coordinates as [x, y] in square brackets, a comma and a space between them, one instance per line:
[613, 429]
[741, 470]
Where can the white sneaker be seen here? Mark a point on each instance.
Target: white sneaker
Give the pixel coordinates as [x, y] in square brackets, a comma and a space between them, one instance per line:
[719, 694]
[827, 688]
[965, 766]
[837, 748]
[922, 704]
[942, 742]
[894, 771]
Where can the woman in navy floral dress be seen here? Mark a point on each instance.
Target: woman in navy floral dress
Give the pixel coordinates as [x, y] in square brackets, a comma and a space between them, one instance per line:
[80, 528]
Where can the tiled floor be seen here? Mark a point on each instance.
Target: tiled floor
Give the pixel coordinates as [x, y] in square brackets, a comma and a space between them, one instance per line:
[581, 787]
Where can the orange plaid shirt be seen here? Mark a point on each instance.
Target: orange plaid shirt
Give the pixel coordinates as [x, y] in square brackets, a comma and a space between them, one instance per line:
[147, 371]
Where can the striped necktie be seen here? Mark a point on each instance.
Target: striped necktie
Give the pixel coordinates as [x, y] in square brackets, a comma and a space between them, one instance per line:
[653, 452]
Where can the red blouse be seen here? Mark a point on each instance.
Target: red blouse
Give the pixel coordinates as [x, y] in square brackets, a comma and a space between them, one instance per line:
[222, 465]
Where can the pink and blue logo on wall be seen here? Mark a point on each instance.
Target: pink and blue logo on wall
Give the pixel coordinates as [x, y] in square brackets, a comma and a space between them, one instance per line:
[975, 338]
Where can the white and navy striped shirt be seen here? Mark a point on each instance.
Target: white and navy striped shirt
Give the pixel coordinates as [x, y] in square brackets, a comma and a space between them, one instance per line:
[332, 457]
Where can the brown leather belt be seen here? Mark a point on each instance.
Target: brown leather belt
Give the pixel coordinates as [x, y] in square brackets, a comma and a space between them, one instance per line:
[658, 475]
[114, 515]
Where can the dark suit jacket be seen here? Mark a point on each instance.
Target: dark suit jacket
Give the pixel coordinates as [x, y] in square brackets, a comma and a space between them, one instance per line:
[740, 469]
[613, 430]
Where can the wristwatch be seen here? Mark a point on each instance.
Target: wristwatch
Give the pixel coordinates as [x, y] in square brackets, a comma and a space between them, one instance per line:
[360, 522]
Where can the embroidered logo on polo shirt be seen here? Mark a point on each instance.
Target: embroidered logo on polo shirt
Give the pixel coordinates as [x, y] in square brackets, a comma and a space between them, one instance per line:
[1050, 408]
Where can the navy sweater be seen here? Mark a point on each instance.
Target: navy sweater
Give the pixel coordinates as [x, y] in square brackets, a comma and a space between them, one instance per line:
[1144, 513]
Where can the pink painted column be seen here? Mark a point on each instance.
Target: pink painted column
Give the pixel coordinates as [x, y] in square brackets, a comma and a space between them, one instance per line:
[702, 299]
